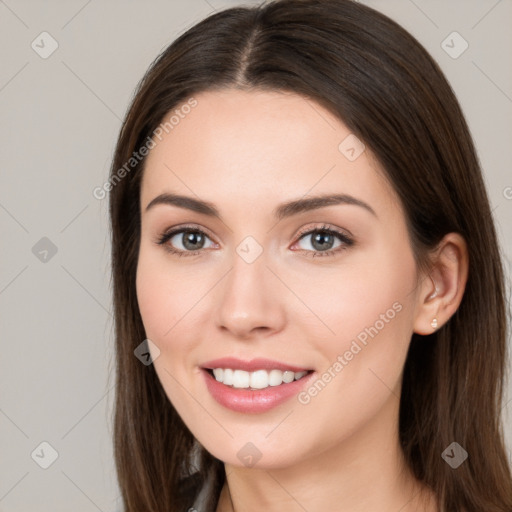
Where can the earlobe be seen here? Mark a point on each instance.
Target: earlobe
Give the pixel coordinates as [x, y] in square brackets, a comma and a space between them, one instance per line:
[443, 288]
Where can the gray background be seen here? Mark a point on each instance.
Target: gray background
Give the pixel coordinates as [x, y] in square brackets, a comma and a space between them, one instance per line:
[60, 119]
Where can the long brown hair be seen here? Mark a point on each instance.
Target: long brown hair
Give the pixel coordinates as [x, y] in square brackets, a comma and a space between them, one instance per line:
[383, 85]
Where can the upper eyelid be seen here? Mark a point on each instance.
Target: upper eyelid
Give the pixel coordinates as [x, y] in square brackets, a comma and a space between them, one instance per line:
[192, 227]
[325, 227]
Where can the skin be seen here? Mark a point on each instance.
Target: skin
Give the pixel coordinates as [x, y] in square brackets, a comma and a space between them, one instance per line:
[247, 152]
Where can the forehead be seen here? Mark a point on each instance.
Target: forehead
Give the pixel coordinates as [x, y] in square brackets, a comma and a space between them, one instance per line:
[257, 147]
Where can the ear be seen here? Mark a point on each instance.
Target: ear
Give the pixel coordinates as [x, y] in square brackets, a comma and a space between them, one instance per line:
[441, 290]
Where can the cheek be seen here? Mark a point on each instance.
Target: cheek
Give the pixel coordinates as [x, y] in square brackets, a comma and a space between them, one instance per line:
[163, 295]
[153, 300]
[369, 309]
[360, 296]
[164, 299]
[363, 360]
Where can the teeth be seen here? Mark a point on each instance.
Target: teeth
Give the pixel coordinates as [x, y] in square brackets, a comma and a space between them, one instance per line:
[241, 379]
[228, 376]
[259, 379]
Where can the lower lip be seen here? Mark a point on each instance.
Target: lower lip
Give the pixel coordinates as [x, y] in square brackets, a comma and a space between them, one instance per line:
[253, 401]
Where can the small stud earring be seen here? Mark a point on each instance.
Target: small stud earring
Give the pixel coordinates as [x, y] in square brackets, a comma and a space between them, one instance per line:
[434, 323]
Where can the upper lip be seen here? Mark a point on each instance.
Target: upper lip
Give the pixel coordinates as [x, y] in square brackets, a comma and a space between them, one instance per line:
[252, 365]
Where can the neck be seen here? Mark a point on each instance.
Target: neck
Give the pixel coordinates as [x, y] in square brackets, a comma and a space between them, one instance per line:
[366, 471]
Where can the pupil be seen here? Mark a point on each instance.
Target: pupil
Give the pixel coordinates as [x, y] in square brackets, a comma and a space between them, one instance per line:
[321, 240]
[190, 239]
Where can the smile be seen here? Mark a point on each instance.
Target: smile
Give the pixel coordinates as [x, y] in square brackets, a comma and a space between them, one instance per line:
[259, 379]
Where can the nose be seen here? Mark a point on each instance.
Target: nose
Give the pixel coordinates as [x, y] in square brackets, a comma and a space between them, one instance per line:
[250, 300]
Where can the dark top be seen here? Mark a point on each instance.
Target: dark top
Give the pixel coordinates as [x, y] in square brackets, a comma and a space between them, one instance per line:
[198, 491]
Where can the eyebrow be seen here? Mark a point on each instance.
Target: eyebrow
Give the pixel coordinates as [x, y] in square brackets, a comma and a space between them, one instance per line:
[282, 211]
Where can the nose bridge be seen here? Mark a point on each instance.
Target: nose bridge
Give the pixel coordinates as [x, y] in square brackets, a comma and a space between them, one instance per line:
[249, 298]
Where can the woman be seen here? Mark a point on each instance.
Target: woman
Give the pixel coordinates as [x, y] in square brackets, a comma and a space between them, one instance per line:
[302, 246]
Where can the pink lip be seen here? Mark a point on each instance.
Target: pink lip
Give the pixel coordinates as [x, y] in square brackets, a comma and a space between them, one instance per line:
[251, 366]
[253, 401]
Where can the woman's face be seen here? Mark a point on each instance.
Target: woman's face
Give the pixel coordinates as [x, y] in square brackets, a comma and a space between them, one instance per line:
[258, 282]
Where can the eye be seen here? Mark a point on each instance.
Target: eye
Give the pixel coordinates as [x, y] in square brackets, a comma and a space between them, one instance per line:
[191, 239]
[323, 240]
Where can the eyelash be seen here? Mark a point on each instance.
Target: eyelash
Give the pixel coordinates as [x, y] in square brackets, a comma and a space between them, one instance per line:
[325, 229]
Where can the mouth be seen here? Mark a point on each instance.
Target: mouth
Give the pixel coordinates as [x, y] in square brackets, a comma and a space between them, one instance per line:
[254, 386]
[255, 380]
